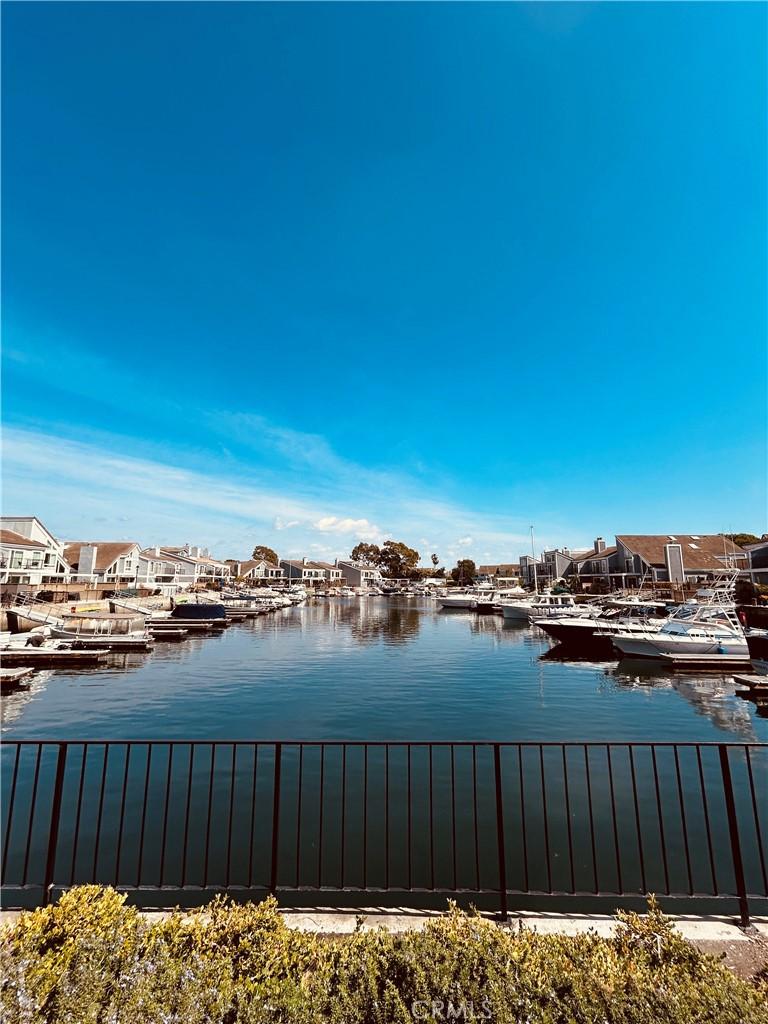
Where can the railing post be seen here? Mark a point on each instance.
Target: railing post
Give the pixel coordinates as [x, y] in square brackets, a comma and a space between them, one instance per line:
[733, 831]
[275, 818]
[500, 832]
[53, 831]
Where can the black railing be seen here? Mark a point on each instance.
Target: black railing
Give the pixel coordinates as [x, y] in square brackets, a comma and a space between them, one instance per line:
[499, 819]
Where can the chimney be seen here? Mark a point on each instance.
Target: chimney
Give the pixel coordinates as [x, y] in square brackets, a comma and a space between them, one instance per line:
[87, 561]
[599, 545]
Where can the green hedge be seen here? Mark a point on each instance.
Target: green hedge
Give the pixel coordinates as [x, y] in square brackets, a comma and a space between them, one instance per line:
[90, 958]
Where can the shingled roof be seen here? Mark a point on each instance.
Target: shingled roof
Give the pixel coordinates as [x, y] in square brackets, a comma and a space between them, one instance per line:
[108, 551]
[13, 539]
[705, 551]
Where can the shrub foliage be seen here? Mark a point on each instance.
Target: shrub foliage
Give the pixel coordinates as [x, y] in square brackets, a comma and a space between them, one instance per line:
[90, 958]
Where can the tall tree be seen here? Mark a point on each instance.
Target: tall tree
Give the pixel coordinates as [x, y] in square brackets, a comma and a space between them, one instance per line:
[262, 551]
[435, 561]
[743, 538]
[397, 560]
[369, 554]
[465, 572]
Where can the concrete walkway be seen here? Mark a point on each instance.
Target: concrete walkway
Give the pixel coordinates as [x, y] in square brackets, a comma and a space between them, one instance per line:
[327, 921]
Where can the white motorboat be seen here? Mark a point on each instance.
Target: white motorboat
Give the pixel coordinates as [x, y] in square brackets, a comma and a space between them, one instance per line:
[592, 631]
[105, 639]
[693, 629]
[466, 598]
[538, 606]
[552, 606]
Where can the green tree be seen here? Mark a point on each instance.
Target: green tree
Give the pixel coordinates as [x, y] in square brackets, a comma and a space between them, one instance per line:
[435, 561]
[262, 551]
[397, 560]
[743, 538]
[465, 572]
[369, 554]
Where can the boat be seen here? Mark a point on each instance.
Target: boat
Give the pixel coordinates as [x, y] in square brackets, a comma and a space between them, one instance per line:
[104, 640]
[591, 632]
[693, 629]
[757, 644]
[538, 606]
[552, 606]
[464, 599]
[196, 611]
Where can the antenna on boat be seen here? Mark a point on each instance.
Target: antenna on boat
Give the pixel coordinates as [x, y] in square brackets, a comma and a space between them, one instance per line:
[535, 577]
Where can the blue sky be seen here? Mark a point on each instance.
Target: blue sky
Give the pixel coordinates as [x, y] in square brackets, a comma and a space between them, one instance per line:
[304, 274]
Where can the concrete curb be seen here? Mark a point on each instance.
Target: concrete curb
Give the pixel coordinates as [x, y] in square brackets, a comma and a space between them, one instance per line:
[326, 921]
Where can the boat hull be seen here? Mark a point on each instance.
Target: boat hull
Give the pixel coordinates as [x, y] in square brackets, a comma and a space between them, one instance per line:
[516, 612]
[663, 644]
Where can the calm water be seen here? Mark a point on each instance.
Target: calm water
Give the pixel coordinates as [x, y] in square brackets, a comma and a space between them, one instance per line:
[375, 669]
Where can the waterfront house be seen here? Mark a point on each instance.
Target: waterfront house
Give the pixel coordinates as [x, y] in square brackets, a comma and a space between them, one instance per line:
[757, 561]
[660, 558]
[29, 553]
[331, 573]
[188, 565]
[502, 574]
[162, 571]
[103, 561]
[256, 570]
[301, 570]
[357, 574]
[598, 566]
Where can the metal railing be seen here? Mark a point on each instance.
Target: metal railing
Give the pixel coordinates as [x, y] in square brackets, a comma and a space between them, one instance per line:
[501, 819]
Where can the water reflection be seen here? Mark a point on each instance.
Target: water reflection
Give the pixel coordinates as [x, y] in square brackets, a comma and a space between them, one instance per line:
[712, 696]
[376, 668]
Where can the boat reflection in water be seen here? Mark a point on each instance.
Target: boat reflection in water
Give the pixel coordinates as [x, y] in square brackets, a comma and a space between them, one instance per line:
[715, 696]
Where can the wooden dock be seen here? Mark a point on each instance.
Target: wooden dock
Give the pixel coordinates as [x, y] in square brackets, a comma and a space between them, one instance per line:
[169, 636]
[41, 657]
[11, 677]
[190, 625]
[707, 662]
[754, 683]
[111, 643]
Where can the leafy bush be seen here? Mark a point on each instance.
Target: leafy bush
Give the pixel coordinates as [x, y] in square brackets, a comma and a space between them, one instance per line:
[90, 958]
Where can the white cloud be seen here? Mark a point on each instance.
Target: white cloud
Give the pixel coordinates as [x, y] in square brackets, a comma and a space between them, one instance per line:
[73, 484]
[280, 524]
[361, 528]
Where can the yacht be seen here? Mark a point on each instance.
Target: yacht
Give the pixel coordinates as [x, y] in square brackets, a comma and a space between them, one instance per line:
[693, 629]
[464, 598]
[592, 629]
[538, 606]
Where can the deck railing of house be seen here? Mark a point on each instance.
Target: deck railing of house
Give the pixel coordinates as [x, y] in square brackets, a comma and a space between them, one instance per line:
[179, 819]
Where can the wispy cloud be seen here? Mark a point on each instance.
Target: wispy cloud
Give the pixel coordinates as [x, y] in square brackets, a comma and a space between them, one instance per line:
[73, 484]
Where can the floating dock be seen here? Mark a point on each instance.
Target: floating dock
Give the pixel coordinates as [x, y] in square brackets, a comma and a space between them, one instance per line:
[169, 636]
[11, 677]
[110, 643]
[756, 684]
[40, 657]
[707, 662]
[172, 625]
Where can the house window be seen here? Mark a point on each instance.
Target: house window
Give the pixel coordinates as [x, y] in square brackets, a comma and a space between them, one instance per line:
[16, 559]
